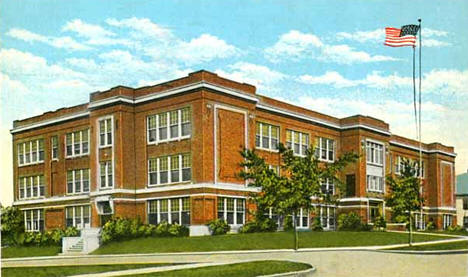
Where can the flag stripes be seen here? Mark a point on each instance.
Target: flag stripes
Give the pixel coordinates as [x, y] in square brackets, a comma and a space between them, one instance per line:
[393, 38]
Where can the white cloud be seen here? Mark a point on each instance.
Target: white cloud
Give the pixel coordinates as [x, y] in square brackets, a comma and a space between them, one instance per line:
[378, 36]
[95, 34]
[57, 42]
[295, 45]
[260, 76]
[436, 81]
[143, 28]
[203, 49]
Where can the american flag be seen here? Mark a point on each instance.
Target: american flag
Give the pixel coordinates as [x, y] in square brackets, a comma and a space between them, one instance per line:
[406, 36]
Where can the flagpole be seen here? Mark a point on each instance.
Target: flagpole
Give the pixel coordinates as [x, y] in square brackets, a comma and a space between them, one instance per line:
[420, 126]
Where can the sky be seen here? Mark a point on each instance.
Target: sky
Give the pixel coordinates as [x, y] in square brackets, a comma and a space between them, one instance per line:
[327, 56]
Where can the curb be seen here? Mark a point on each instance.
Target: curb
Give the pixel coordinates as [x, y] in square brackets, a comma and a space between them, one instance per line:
[301, 273]
[426, 252]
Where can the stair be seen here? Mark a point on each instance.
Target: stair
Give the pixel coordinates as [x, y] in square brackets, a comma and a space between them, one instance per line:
[77, 247]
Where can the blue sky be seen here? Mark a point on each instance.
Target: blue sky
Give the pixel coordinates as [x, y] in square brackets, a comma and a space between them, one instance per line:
[324, 55]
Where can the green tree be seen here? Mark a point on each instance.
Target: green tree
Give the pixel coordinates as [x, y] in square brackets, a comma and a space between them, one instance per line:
[405, 197]
[12, 225]
[300, 181]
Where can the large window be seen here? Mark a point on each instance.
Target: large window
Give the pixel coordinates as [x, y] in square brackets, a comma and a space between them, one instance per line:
[168, 126]
[78, 216]
[399, 166]
[267, 136]
[171, 210]
[297, 141]
[232, 210]
[34, 220]
[54, 147]
[374, 153]
[325, 150]
[31, 187]
[169, 169]
[302, 219]
[448, 218]
[31, 152]
[465, 203]
[327, 217]
[420, 221]
[327, 186]
[106, 174]
[77, 181]
[105, 132]
[77, 143]
[375, 183]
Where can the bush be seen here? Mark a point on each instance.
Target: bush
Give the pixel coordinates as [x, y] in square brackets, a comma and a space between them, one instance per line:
[218, 227]
[349, 222]
[430, 226]
[456, 228]
[259, 225]
[288, 223]
[316, 224]
[380, 223]
[12, 226]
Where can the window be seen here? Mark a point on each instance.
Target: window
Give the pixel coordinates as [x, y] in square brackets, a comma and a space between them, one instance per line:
[447, 221]
[399, 166]
[374, 153]
[465, 221]
[77, 181]
[327, 217]
[106, 173]
[105, 132]
[31, 152]
[169, 169]
[327, 186]
[231, 210]
[297, 141]
[54, 147]
[325, 150]
[375, 183]
[302, 219]
[267, 136]
[275, 168]
[420, 173]
[31, 187]
[78, 216]
[169, 126]
[34, 220]
[77, 143]
[465, 203]
[171, 210]
[420, 221]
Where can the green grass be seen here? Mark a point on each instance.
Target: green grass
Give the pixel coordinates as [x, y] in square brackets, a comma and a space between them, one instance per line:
[276, 240]
[30, 251]
[441, 246]
[446, 232]
[52, 271]
[248, 269]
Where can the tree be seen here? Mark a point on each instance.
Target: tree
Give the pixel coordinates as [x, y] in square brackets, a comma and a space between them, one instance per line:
[293, 190]
[12, 225]
[404, 197]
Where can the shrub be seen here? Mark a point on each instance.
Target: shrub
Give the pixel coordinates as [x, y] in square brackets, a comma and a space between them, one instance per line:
[380, 223]
[288, 223]
[259, 225]
[268, 225]
[122, 228]
[316, 224]
[71, 232]
[218, 227]
[365, 227]
[349, 222]
[12, 226]
[177, 230]
[430, 226]
[456, 228]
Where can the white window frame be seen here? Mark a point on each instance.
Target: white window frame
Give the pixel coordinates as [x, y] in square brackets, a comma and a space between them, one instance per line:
[104, 119]
[74, 171]
[301, 143]
[81, 153]
[22, 183]
[169, 177]
[399, 167]
[269, 148]
[447, 220]
[420, 221]
[168, 127]
[40, 214]
[107, 186]
[81, 225]
[169, 208]
[374, 186]
[31, 142]
[225, 211]
[320, 147]
[301, 215]
[328, 182]
[326, 225]
[52, 147]
[375, 153]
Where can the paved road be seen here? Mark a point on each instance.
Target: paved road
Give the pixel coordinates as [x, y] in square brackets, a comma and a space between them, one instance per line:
[327, 263]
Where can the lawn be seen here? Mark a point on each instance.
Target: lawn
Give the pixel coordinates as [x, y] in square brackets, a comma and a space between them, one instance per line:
[440, 246]
[30, 251]
[276, 240]
[52, 271]
[248, 269]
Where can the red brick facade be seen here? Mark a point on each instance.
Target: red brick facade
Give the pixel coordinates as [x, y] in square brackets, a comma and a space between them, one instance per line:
[129, 177]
